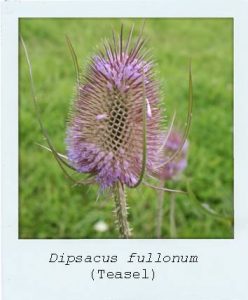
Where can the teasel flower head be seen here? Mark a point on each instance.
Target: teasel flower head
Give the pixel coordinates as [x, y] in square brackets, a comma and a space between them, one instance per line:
[105, 130]
[175, 167]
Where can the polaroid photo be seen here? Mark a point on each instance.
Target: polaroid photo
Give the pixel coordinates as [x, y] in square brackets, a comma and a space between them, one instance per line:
[124, 150]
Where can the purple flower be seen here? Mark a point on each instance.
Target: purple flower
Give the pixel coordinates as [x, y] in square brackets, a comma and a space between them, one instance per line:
[173, 168]
[105, 131]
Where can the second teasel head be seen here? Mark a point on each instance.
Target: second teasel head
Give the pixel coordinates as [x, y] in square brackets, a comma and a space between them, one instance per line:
[172, 168]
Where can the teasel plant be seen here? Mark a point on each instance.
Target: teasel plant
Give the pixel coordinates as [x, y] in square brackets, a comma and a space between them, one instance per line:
[172, 171]
[114, 133]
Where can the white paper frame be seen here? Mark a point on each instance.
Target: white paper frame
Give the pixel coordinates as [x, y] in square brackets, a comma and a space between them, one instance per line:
[221, 272]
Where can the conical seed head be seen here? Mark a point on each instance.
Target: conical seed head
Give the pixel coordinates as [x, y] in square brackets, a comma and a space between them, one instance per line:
[105, 132]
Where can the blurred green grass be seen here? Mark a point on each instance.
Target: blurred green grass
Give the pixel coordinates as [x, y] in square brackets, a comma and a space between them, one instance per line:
[50, 207]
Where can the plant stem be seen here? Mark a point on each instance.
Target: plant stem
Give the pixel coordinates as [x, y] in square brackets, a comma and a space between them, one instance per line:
[173, 229]
[121, 210]
[160, 210]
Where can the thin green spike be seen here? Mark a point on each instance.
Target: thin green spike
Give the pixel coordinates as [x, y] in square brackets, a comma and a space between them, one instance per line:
[121, 40]
[74, 58]
[168, 133]
[188, 124]
[128, 40]
[59, 154]
[158, 188]
[59, 160]
[205, 210]
[144, 112]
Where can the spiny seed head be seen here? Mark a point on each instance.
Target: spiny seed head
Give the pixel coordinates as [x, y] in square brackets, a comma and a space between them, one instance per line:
[105, 132]
[173, 168]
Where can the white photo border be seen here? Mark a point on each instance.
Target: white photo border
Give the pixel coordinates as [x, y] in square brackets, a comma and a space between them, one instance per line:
[222, 268]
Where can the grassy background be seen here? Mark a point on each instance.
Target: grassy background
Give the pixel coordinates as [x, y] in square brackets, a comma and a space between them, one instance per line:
[50, 207]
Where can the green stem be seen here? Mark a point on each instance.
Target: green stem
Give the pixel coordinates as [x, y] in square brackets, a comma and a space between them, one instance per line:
[173, 229]
[121, 210]
[160, 211]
